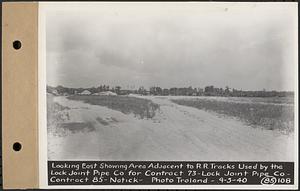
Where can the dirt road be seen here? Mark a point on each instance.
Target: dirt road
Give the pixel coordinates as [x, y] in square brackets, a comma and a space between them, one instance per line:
[175, 133]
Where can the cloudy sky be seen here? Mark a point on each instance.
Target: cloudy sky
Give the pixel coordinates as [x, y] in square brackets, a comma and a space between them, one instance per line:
[244, 46]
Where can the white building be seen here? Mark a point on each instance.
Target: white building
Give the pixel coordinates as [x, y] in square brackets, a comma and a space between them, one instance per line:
[54, 92]
[108, 93]
[85, 92]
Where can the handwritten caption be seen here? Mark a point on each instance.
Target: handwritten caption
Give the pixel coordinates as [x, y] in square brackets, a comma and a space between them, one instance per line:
[151, 173]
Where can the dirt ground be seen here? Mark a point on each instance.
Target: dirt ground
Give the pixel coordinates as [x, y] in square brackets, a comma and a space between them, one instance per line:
[175, 133]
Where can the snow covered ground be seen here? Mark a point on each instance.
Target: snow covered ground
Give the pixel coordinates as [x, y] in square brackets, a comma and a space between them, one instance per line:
[175, 133]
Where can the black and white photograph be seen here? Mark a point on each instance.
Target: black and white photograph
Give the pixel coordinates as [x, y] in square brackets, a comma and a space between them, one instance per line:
[171, 81]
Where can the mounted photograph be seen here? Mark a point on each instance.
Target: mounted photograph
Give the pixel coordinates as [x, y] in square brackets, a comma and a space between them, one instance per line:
[171, 82]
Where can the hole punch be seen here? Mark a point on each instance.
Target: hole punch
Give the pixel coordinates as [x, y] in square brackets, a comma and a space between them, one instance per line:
[17, 146]
[17, 44]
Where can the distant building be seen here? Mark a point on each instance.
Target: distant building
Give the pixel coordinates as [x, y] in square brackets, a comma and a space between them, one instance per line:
[85, 92]
[125, 92]
[54, 92]
[108, 93]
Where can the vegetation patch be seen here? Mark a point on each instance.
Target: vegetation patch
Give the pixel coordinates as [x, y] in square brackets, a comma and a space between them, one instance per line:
[58, 120]
[142, 108]
[75, 127]
[268, 116]
[102, 121]
[114, 119]
[56, 113]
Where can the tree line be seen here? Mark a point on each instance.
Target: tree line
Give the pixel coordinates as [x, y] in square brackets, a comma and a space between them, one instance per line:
[174, 91]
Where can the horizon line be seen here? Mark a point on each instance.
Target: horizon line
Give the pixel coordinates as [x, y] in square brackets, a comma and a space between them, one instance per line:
[136, 88]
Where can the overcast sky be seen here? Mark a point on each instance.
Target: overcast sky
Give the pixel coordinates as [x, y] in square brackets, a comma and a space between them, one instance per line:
[246, 46]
